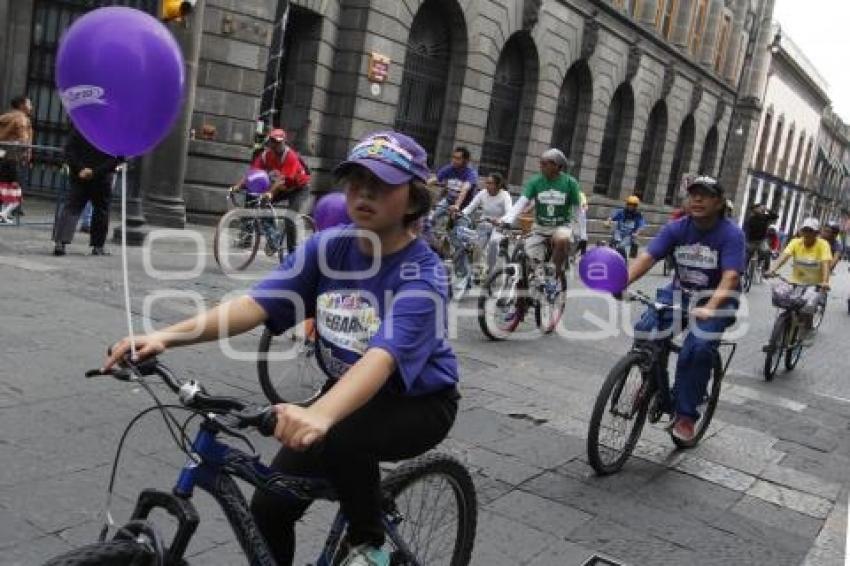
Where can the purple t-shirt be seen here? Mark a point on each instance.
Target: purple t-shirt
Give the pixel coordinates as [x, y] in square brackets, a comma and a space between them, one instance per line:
[701, 256]
[454, 178]
[396, 302]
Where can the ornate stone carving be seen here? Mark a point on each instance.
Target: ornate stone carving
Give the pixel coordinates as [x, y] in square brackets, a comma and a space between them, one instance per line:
[633, 63]
[696, 95]
[590, 36]
[531, 13]
[668, 80]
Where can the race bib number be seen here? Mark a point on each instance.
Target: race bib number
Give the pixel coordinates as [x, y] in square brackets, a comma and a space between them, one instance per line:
[696, 256]
[347, 320]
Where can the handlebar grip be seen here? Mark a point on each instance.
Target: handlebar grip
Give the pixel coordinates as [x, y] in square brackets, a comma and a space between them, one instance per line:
[268, 422]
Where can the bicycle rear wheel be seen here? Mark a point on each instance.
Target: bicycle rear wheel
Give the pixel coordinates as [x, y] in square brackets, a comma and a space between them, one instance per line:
[748, 275]
[236, 241]
[706, 407]
[287, 368]
[618, 414]
[817, 318]
[549, 310]
[434, 497]
[500, 306]
[114, 553]
[305, 227]
[776, 347]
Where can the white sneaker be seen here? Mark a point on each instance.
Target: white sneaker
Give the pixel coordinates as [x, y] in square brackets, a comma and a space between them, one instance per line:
[365, 555]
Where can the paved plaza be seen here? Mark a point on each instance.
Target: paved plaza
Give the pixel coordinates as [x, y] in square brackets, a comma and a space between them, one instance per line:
[768, 485]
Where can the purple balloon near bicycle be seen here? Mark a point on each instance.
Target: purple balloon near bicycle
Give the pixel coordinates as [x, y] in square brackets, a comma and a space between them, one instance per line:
[604, 269]
[330, 211]
[257, 181]
[120, 76]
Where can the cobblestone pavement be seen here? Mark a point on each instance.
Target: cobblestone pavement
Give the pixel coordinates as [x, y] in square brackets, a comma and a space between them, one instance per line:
[767, 485]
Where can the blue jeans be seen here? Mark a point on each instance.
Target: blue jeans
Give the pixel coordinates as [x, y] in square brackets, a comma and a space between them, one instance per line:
[696, 359]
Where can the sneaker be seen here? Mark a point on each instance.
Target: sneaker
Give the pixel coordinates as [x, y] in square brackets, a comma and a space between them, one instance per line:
[365, 555]
[683, 428]
[99, 250]
[59, 249]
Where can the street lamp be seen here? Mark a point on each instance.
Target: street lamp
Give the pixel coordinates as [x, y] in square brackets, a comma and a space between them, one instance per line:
[776, 44]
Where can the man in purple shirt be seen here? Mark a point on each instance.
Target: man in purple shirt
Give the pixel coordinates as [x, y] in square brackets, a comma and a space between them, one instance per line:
[709, 253]
[460, 181]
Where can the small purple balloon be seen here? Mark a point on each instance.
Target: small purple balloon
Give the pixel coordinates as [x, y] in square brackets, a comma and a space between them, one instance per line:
[331, 211]
[120, 77]
[604, 269]
[257, 181]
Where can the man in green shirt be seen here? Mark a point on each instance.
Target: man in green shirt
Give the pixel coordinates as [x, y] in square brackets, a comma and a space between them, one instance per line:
[555, 195]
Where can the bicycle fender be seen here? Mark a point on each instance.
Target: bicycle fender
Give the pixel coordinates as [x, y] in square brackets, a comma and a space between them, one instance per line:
[181, 509]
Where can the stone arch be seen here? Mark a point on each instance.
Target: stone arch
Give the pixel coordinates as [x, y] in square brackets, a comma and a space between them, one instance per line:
[652, 152]
[511, 108]
[615, 139]
[708, 160]
[571, 117]
[432, 79]
[681, 158]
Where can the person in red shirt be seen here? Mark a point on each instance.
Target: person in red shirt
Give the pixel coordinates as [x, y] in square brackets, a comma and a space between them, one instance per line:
[290, 177]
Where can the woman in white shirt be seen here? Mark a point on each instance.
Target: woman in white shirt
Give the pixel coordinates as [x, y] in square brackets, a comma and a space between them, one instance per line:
[494, 202]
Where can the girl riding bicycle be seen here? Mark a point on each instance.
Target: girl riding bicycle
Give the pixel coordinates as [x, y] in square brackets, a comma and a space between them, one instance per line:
[378, 294]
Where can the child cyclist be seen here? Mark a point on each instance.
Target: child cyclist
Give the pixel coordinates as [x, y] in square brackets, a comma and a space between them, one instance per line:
[378, 294]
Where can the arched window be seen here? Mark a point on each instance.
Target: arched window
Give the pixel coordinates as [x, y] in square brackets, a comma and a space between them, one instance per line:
[773, 156]
[570, 129]
[651, 153]
[794, 176]
[681, 159]
[612, 157]
[708, 161]
[782, 167]
[765, 136]
[420, 107]
[505, 105]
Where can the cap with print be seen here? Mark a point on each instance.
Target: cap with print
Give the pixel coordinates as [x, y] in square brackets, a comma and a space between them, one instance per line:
[707, 183]
[392, 157]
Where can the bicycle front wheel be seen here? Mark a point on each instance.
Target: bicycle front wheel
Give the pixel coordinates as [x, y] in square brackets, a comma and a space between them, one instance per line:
[549, 310]
[434, 497]
[500, 306]
[287, 368]
[775, 348]
[795, 347]
[114, 553]
[817, 319]
[618, 414]
[305, 227]
[236, 241]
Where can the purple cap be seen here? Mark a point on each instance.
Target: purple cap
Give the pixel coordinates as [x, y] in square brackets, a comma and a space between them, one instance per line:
[392, 157]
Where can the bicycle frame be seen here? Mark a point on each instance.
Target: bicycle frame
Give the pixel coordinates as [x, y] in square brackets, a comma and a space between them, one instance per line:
[212, 469]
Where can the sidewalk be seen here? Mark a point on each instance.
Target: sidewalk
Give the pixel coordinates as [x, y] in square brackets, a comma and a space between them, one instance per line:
[767, 486]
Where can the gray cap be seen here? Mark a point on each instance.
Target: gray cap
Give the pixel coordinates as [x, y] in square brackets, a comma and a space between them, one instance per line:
[556, 156]
[811, 224]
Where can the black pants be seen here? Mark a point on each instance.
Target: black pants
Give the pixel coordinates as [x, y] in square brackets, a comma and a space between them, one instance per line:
[388, 428]
[99, 192]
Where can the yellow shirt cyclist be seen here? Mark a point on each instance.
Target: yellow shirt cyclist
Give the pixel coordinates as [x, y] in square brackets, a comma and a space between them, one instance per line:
[807, 261]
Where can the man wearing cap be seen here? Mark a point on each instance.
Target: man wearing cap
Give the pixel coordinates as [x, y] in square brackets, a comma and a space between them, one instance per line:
[709, 254]
[290, 178]
[628, 221]
[555, 194]
[811, 266]
[755, 228]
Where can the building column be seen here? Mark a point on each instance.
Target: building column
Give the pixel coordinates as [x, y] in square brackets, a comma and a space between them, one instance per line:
[681, 32]
[165, 167]
[712, 33]
[801, 211]
[733, 48]
[792, 201]
[648, 11]
[771, 193]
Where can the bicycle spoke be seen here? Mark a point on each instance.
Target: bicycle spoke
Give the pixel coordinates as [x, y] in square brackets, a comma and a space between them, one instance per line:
[429, 508]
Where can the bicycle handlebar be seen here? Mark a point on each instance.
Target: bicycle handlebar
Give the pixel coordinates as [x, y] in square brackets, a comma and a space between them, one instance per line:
[651, 303]
[785, 280]
[194, 396]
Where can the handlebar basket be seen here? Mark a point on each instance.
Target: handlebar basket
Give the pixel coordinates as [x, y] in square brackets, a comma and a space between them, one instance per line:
[786, 296]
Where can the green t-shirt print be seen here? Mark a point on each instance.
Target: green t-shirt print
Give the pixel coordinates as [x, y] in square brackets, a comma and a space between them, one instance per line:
[554, 200]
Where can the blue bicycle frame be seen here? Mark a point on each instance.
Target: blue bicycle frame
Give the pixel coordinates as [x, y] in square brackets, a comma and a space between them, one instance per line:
[212, 468]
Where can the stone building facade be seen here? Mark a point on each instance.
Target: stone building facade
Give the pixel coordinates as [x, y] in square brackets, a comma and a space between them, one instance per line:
[798, 167]
[636, 92]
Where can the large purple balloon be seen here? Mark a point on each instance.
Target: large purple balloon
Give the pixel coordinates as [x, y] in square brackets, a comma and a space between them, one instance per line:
[330, 211]
[604, 269]
[121, 79]
[257, 181]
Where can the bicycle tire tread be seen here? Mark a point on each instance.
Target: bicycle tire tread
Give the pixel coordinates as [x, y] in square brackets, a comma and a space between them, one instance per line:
[113, 553]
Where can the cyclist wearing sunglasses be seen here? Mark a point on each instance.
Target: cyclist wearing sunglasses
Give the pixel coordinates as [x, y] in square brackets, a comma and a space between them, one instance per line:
[709, 250]
[555, 195]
